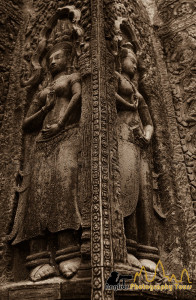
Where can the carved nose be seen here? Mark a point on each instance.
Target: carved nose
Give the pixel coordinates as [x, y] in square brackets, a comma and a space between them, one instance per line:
[52, 64]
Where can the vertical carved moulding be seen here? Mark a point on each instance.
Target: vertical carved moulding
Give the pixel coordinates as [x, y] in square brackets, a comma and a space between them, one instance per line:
[84, 64]
[100, 243]
[85, 178]
[117, 231]
[103, 161]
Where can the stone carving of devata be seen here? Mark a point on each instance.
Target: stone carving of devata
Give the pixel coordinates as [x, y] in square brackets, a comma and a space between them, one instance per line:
[135, 130]
[50, 202]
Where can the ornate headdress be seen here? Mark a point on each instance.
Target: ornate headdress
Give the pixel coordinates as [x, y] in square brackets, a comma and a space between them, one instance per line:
[127, 49]
[61, 37]
[61, 31]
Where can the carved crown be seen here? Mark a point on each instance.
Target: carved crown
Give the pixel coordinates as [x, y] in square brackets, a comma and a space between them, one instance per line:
[126, 49]
[61, 35]
[62, 30]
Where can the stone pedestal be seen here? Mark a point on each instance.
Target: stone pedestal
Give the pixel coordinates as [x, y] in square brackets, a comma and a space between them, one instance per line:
[75, 289]
[51, 289]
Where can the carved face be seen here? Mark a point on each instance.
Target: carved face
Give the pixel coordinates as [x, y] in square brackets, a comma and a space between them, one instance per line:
[129, 64]
[57, 61]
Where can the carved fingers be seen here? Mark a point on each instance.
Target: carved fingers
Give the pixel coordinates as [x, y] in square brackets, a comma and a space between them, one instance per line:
[148, 131]
[50, 100]
[50, 130]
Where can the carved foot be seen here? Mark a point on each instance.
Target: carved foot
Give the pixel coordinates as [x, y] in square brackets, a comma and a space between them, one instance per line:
[42, 272]
[149, 265]
[133, 261]
[69, 267]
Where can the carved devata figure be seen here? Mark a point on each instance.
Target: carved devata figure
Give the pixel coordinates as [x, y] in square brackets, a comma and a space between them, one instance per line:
[135, 131]
[48, 201]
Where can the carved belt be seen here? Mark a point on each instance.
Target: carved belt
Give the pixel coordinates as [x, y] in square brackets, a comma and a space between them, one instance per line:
[47, 145]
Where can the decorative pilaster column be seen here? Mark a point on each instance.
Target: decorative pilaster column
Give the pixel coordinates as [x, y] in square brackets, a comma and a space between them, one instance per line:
[100, 154]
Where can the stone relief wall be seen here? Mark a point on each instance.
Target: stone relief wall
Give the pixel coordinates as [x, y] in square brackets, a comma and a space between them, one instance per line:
[169, 159]
[178, 41]
[181, 64]
[11, 20]
[149, 79]
[10, 23]
[166, 80]
[34, 15]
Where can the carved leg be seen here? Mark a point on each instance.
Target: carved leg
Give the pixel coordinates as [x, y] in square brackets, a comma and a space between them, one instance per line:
[39, 260]
[131, 235]
[147, 252]
[68, 256]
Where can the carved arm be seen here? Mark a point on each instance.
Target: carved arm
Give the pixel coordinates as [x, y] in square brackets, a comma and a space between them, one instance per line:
[145, 118]
[38, 110]
[125, 104]
[34, 120]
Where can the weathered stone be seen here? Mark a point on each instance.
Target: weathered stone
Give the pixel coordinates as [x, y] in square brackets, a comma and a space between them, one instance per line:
[97, 158]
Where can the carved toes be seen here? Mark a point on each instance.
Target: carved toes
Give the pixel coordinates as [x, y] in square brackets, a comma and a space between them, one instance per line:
[70, 267]
[133, 261]
[148, 264]
[42, 272]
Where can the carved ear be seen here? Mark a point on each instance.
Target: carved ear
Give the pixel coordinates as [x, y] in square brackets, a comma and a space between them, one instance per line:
[77, 32]
[140, 62]
[78, 46]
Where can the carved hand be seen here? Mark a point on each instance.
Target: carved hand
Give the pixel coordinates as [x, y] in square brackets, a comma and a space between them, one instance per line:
[143, 138]
[125, 103]
[50, 101]
[148, 131]
[50, 130]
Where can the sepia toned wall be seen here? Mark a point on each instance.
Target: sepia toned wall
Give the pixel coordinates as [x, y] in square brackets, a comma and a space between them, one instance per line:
[164, 31]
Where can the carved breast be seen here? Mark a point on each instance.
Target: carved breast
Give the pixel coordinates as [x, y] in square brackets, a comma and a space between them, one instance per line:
[62, 86]
[125, 87]
[127, 91]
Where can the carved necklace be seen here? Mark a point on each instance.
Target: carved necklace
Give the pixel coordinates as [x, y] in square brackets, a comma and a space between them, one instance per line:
[51, 85]
[127, 80]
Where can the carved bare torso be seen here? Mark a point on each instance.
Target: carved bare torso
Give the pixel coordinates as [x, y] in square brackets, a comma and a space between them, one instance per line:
[54, 159]
[125, 88]
[62, 89]
[127, 110]
[49, 200]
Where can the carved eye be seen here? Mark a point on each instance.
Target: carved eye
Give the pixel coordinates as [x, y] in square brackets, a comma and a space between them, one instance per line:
[57, 57]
